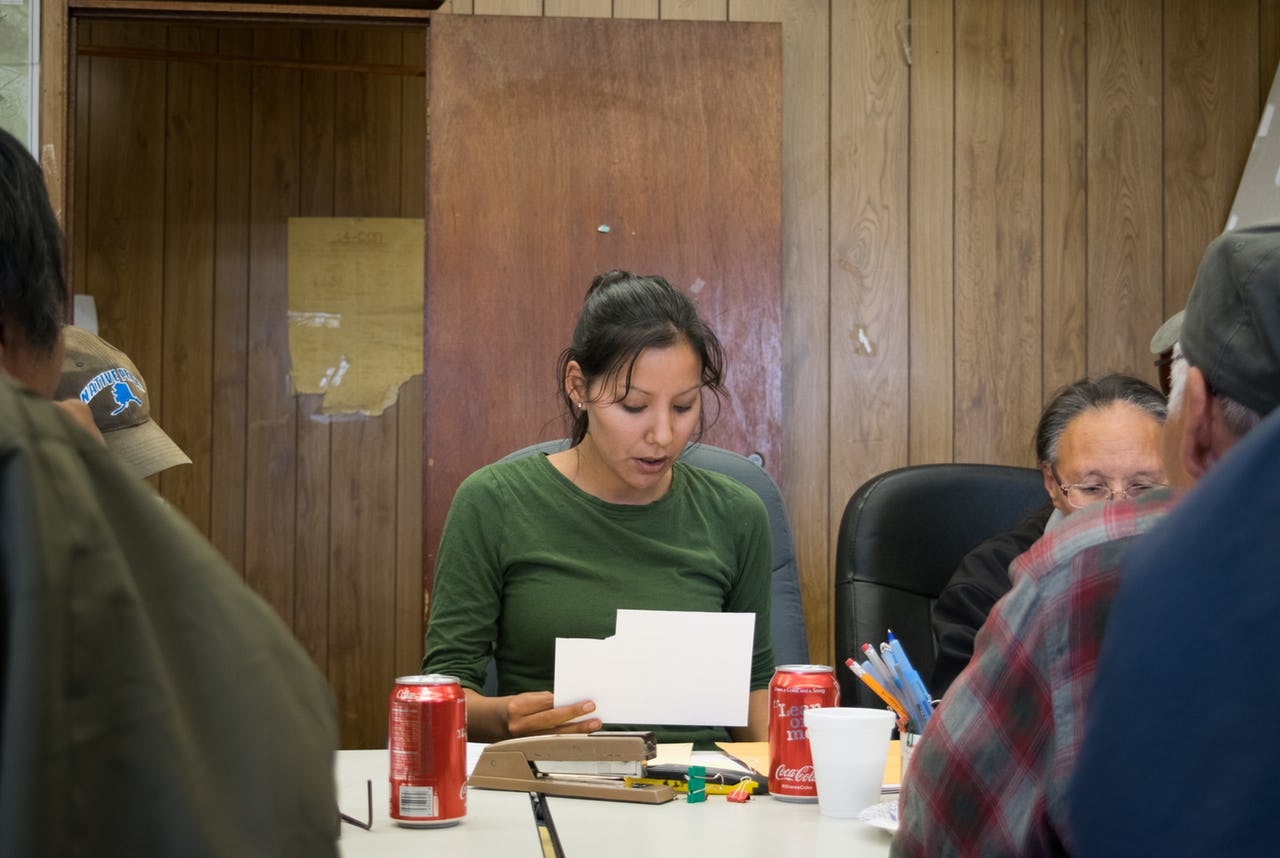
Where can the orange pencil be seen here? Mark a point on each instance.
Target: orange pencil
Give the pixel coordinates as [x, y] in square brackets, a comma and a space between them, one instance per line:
[879, 690]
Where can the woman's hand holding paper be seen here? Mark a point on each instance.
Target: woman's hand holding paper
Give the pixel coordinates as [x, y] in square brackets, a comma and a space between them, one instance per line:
[533, 713]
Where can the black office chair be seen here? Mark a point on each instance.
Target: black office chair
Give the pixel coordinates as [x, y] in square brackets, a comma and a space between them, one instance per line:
[790, 637]
[901, 537]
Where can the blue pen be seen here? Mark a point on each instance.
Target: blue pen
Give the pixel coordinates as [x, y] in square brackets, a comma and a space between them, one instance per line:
[903, 666]
[912, 680]
[912, 675]
[904, 688]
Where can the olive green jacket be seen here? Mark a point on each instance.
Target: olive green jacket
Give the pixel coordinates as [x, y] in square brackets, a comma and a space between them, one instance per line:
[151, 703]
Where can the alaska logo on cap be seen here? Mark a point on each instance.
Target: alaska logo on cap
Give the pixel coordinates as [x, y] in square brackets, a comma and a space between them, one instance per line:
[117, 380]
[104, 378]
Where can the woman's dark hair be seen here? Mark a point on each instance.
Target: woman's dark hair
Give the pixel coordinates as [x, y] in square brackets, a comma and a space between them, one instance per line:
[32, 289]
[1083, 395]
[623, 315]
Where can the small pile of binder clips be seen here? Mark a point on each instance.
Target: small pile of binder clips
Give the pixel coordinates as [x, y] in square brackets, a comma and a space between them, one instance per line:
[699, 781]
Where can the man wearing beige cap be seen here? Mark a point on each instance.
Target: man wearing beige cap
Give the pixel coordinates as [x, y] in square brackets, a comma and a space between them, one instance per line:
[990, 774]
[150, 702]
[103, 378]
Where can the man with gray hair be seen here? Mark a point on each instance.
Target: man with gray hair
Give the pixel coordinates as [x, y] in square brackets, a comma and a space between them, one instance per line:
[990, 773]
[1197, 607]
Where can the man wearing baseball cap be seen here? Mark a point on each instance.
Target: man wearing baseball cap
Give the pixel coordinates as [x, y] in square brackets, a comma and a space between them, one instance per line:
[103, 378]
[150, 702]
[1203, 773]
[990, 774]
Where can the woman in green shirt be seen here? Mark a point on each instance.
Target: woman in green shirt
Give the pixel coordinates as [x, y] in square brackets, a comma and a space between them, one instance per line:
[551, 546]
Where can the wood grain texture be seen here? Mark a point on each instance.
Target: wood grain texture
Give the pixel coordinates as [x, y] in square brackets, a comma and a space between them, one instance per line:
[181, 395]
[60, 139]
[577, 8]
[124, 253]
[75, 156]
[410, 569]
[367, 181]
[1064, 182]
[635, 9]
[869, 240]
[229, 416]
[317, 525]
[931, 207]
[271, 472]
[507, 7]
[806, 369]
[351, 13]
[1125, 209]
[1210, 75]
[694, 10]
[998, 228]
[57, 83]
[316, 622]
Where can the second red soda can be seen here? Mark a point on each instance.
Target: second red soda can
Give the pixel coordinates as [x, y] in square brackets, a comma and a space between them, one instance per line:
[795, 688]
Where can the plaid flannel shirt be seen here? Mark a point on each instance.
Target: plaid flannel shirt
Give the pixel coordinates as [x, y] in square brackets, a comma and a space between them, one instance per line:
[989, 775]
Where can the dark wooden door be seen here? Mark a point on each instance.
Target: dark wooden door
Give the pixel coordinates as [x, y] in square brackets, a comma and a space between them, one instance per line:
[562, 147]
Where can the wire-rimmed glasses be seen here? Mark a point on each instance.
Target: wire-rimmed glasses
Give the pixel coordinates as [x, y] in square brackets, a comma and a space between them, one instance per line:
[1080, 495]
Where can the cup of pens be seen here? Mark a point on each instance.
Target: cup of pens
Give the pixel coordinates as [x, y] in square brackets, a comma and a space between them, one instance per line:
[889, 674]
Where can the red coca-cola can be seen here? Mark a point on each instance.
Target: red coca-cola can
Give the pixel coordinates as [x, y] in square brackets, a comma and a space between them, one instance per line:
[427, 735]
[793, 689]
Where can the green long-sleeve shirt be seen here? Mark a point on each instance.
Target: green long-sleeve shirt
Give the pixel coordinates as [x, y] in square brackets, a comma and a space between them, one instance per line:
[527, 557]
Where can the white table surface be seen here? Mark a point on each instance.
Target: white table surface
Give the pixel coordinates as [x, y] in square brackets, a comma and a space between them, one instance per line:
[501, 823]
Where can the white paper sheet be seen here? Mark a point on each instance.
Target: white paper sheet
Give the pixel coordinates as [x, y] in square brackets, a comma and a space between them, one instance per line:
[662, 667]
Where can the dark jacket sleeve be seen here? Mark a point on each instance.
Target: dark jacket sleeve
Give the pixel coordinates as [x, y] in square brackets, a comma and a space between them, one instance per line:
[150, 702]
[980, 580]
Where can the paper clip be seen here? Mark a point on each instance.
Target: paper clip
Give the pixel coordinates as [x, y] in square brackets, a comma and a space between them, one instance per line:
[697, 778]
[742, 792]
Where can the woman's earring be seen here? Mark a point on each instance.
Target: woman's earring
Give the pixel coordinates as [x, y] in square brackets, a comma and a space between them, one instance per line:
[580, 405]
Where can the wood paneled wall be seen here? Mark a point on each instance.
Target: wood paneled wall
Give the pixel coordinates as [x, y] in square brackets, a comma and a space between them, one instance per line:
[187, 173]
[981, 201]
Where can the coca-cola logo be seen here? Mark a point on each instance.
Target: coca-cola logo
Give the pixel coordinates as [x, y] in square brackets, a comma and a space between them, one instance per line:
[802, 775]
